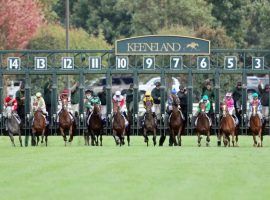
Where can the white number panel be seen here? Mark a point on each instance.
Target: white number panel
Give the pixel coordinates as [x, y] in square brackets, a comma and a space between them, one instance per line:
[40, 63]
[95, 63]
[230, 62]
[14, 63]
[149, 62]
[67, 63]
[203, 62]
[257, 62]
[176, 62]
[121, 62]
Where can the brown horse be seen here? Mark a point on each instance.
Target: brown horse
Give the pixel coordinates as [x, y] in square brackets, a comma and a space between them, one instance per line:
[176, 123]
[149, 124]
[118, 126]
[203, 126]
[39, 127]
[65, 122]
[227, 127]
[95, 127]
[256, 126]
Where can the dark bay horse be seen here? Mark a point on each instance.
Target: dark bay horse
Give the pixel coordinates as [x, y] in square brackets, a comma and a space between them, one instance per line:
[176, 122]
[203, 126]
[227, 127]
[13, 125]
[118, 125]
[95, 127]
[256, 126]
[65, 122]
[39, 127]
[149, 124]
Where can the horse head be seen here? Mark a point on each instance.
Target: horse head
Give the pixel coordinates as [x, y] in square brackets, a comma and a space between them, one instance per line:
[224, 109]
[202, 107]
[254, 109]
[96, 109]
[148, 106]
[64, 104]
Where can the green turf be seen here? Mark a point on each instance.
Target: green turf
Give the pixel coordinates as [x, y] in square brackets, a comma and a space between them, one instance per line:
[136, 172]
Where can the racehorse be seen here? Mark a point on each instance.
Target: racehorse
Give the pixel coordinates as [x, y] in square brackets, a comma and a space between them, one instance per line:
[203, 125]
[95, 127]
[227, 127]
[13, 125]
[65, 122]
[176, 122]
[256, 126]
[39, 127]
[118, 125]
[149, 124]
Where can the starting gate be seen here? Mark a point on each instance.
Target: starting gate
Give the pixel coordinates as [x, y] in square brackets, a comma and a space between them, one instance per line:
[160, 55]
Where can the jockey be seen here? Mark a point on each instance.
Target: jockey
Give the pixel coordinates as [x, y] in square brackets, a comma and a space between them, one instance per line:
[39, 103]
[207, 104]
[148, 99]
[11, 101]
[87, 104]
[170, 100]
[229, 102]
[255, 101]
[64, 96]
[118, 98]
[90, 104]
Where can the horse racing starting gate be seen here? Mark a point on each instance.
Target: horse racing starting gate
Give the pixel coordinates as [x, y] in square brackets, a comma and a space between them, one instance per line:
[163, 56]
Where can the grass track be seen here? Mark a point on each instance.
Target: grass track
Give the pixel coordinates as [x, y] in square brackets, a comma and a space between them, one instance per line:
[136, 172]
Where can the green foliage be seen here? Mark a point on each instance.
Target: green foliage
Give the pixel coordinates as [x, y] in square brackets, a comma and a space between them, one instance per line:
[47, 7]
[53, 37]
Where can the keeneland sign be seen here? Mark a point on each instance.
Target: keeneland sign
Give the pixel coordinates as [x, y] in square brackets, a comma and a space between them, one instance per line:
[162, 45]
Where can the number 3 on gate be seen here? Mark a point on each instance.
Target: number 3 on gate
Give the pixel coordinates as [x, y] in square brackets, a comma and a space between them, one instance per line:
[203, 62]
[257, 63]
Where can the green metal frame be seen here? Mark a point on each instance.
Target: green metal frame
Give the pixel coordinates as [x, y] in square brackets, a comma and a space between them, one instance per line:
[135, 68]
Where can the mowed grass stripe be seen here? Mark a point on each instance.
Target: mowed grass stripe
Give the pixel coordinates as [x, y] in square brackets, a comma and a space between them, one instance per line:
[135, 172]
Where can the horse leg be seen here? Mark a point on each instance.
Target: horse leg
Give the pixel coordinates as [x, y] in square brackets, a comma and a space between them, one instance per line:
[37, 139]
[236, 139]
[100, 137]
[233, 139]
[97, 144]
[228, 139]
[70, 134]
[179, 136]
[46, 140]
[64, 136]
[260, 138]
[219, 138]
[11, 139]
[115, 138]
[255, 141]
[20, 138]
[42, 135]
[34, 136]
[199, 139]
[225, 141]
[208, 139]
[93, 139]
[145, 136]
[155, 137]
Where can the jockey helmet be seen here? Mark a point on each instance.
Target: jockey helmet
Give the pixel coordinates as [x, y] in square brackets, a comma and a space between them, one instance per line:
[65, 91]
[158, 83]
[88, 91]
[255, 95]
[228, 94]
[239, 83]
[173, 91]
[205, 97]
[38, 94]
[148, 93]
[118, 93]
